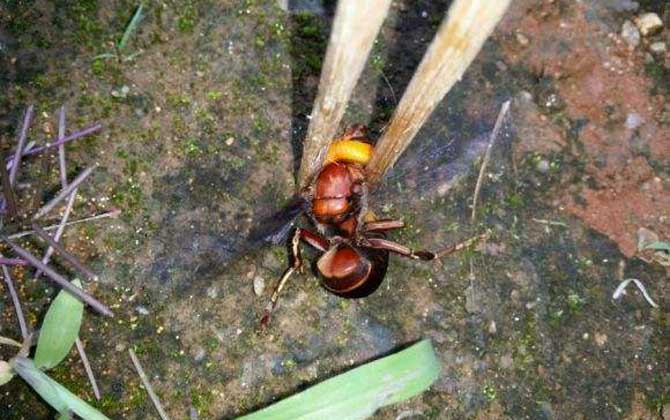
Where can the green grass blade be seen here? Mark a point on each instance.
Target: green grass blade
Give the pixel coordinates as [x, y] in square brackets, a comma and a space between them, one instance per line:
[6, 373]
[659, 246]
[358, 393]
[54, 393]
[132, 26]
[59, 329]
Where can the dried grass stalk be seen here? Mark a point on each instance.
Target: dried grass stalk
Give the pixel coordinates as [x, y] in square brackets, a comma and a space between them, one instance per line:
[458, 40]
[354, 30]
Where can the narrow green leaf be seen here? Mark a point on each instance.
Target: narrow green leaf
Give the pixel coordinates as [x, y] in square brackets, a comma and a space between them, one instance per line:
[132, 26]
[65, 416]
[53, 393]
[358, 393]
[6, 373]
[659, 246]
[59, 329]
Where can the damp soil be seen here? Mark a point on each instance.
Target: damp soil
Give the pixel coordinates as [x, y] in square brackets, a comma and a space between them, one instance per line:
[204, 112]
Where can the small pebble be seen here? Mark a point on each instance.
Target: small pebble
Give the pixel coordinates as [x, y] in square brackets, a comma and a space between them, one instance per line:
[543, 166]
[199, 354]
[424, 14]
[120, 347]
[665, 411]
[648, 58]
[230, 141]
[658, 48]
[213, 292]
[554, 102]
[493, 328]
[142, 310]
[633, 121]
[506, 361]
[121, 93]
[649, 23]
[630, 34]
[259, 285]
[522, 39]
[193, 413]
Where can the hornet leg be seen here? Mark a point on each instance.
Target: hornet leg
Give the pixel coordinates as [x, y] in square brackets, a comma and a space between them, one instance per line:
[313, 239]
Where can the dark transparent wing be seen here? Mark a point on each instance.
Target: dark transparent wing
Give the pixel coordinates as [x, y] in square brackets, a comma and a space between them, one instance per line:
[433, 166]
[274, 229]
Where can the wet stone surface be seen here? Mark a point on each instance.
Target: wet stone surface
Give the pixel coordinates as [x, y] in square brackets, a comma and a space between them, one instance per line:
[203, 142]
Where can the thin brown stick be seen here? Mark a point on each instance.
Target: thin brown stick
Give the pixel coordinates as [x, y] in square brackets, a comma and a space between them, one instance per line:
[7, 190]
[74, 136]
[59, 230]
[458, 40]
[147, 385]
[62, 281]
[64, 253]
[354, 30]
[87, 368]
[15, 300]
[63, 182]
[12, 261]
[19, 148]
[65, 192]
[487, 156]
[61, 147]
[112, 213]
[6, 341]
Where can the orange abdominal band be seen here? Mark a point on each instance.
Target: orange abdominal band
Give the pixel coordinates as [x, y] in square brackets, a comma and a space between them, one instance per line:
[351, 151]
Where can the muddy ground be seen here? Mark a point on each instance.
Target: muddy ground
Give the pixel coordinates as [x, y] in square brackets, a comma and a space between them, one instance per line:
[204, 111]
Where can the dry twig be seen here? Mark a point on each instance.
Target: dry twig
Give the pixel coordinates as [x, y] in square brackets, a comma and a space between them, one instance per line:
[64, 253]
[64, 193]
[62, 281]
[487, 156]
[111, 213]
[622, 287]
[458, 40]
[87, 368]
[15, 301]
[147, 385]
[19, 148]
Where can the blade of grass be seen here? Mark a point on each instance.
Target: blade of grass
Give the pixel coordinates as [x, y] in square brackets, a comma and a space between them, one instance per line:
[61, 147]
[131, 28]
[64, 253]
[487, 156]
[74, 136]
[358, 393]
[19, 148]
[62, 281]
[53, 393]
[15, 301]
[59, 230]
[659, 246]
[111, 213]
[6, 373]
[12, 261]
[7, 190]
[60, 329]
[147, 385]
[65, 192]
[87, 368]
